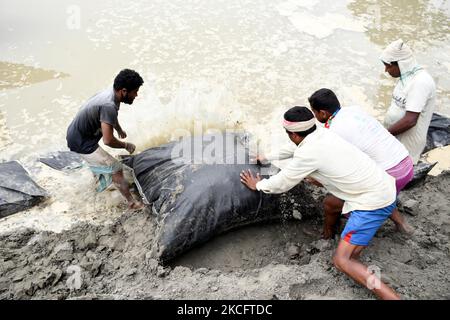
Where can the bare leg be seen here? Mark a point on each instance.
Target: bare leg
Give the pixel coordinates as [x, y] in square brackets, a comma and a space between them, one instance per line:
[332, 208]
[124, 189]
[357, 252]
[344, 262]
[400, 222]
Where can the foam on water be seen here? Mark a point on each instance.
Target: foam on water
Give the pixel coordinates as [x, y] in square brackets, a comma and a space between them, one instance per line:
[286, 8]
[5, 138]
[196, 103]
[323, 26]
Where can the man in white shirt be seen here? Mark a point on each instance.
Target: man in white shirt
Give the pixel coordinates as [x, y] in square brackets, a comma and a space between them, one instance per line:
[349, 174]
[413, 99]
[368, 135]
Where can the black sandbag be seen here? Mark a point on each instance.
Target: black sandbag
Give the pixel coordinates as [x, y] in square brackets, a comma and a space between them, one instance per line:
[195, 201]
[421, 170]
[17, 190]
[63, 160]
[438, 132]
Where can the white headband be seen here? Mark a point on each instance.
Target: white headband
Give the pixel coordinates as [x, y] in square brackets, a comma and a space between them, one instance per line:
[299, 126]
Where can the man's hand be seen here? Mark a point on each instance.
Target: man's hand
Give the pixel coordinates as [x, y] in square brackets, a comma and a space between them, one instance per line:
[130, 147]
[249, 180]
[122, 134]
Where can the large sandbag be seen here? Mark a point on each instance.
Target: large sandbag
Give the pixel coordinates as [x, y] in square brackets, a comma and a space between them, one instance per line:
[17, 190]
[438, 132]
[195, 198]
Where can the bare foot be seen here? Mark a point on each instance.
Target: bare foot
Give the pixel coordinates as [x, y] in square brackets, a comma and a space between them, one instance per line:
[135, 205]
[405, 228]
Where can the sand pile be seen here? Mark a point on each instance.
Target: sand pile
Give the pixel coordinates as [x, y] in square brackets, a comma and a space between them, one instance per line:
[285, 260]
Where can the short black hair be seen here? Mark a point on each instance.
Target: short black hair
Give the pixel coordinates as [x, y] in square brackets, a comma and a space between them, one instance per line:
[128, 79]
[324, 99]
[297, 114]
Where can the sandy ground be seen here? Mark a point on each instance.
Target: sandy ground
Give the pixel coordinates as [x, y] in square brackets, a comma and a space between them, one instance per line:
[285, 260]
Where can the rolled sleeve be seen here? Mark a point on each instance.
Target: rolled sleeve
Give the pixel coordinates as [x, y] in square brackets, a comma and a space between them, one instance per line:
[108, 114]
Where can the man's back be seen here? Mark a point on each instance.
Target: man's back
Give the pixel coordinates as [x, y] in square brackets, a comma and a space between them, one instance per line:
[368, 135]
[84, 132]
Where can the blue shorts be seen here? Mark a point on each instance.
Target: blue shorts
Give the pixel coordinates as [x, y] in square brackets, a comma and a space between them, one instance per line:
[362, 225]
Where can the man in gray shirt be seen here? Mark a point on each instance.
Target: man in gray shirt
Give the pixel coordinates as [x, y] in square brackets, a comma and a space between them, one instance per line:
[97, 119]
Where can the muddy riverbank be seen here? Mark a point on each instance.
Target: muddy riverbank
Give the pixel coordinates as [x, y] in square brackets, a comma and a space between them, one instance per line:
[284, 260]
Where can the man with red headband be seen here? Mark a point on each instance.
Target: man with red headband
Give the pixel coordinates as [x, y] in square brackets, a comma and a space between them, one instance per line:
[368, 192]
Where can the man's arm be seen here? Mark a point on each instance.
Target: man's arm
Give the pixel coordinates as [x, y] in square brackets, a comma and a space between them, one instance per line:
[122, 134]
[109, 139]
[298, 168]
[408, 121]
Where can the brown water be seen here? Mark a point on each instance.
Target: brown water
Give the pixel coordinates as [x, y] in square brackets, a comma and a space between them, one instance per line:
[222, 63]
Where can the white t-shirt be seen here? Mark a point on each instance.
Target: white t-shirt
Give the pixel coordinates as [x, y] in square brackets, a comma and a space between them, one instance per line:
[344, 170]
[369, 136]
[418, 94]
